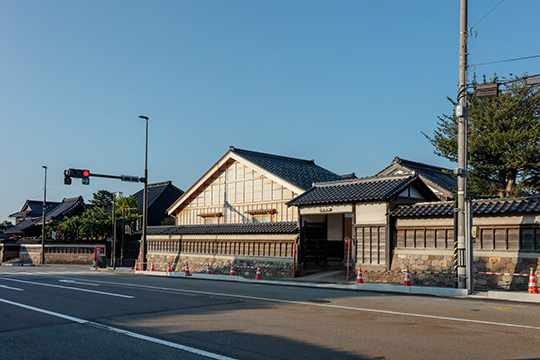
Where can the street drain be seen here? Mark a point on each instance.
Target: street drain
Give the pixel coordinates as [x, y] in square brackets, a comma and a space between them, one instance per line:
[318, 301]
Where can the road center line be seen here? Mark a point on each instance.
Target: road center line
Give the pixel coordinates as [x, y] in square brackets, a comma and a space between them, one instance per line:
[120, 331]
[69, 288]
[10, 288]
[78, 282]
[389, 312]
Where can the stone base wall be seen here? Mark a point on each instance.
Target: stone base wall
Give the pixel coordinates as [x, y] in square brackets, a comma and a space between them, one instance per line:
[443, 263]
[59, 254]
[221, 265]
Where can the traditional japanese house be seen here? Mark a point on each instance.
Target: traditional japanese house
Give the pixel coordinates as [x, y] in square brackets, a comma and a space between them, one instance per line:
[236, 213]
[30, 218]
[349, 221]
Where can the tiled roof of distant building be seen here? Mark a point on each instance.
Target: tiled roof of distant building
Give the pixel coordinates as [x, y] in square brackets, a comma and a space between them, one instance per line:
[481, 206]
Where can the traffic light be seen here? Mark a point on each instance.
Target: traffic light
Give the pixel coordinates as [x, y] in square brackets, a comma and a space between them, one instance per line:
[85, 177]
[67, 179]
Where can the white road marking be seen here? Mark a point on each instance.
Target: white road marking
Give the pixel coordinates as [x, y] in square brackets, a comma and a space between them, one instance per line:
[10, 288]
[77, 282]
[49, 273]
[389, 312]
[69, 288]
[120, 331]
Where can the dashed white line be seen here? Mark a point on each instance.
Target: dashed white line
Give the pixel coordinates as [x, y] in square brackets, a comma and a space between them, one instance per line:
[10, 288]
[67, 287]
[78, 282]
[123, 332]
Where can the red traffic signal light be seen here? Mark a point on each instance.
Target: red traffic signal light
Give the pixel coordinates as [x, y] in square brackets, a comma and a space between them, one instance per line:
[85, 177]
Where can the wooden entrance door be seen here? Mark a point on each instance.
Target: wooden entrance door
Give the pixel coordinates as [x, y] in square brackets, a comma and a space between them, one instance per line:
[315, 245]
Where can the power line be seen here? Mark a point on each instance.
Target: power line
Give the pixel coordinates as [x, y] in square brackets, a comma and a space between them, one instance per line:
[485, 16]
[507, 60]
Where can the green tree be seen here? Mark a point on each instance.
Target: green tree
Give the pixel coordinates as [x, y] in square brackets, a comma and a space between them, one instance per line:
[103, 199]
[95, 224]
[168, 221]
[504, 140]
[5, 224]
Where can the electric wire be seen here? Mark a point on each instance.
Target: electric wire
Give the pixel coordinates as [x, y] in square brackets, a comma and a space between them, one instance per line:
[507, 60]
[485, 16]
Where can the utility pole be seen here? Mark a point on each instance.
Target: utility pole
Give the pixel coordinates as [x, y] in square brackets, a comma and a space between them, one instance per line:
[461, 171]
[43, 218]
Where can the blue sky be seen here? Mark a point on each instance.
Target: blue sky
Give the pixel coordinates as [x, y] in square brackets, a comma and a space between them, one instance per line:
[351, 84]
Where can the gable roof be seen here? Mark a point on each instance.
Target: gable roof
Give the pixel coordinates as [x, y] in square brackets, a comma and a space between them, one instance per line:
[440, 179]
[376, 188]
[67, 207]
[34, 208]
[155, 191]
[480, 206]
[295, 174]
[299, 172]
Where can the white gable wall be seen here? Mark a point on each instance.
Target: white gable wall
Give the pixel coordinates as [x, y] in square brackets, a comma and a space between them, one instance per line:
[233, 190]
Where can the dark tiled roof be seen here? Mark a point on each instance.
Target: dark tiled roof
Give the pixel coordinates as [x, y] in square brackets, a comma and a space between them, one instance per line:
[301, 173]
[482, 206]
[226, 229]
[65, 208]
[155, 191]
[68, 206]
[437, 175]
[34, 208]
[22, 225]
[357, 190]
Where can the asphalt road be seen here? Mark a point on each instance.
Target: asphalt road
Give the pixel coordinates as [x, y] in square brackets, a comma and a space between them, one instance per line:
[60, 312]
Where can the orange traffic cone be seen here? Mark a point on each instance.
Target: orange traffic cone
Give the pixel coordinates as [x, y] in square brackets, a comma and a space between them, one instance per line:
[407, 281]
[258, 275]
[359, 278]
[533, 289]
[169, 268]
[152, 267]
[187, 273]
[232, 271]
[136, 266]
[208, 272]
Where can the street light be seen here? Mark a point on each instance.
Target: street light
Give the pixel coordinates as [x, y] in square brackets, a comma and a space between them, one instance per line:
[145, 199]
[43, 218]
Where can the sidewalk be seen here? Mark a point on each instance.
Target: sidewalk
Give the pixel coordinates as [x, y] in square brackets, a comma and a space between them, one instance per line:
[336, 280]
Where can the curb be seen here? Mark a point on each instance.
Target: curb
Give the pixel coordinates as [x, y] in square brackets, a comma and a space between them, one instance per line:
[413, 290]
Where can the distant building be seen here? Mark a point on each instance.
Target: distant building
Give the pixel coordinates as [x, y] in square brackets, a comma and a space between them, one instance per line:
[160, 197]
[30, 219]
[32, 208]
